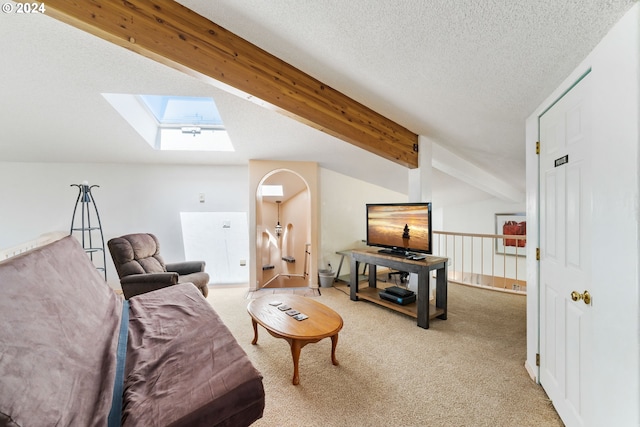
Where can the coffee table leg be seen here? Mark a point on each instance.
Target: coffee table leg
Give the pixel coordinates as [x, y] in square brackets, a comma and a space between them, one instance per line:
[255, 332]
[334, 344]
[295, 353]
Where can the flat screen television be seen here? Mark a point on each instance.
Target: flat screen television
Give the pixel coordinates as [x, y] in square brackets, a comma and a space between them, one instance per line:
[400, 227]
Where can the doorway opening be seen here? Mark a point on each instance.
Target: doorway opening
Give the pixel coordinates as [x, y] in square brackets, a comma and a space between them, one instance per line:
[283, 230]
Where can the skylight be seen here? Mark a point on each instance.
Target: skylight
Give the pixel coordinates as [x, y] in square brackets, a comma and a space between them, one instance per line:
[183, 110]
[271, 190]
[174, 122]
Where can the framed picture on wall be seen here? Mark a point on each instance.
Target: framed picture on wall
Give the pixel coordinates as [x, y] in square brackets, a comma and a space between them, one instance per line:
[511, 224]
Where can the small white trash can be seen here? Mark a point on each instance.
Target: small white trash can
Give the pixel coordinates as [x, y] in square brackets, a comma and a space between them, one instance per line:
[326, 278]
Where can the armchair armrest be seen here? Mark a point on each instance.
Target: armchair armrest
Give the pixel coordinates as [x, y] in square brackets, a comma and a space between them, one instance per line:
[168, 278]
[136, 284]
[185, 267]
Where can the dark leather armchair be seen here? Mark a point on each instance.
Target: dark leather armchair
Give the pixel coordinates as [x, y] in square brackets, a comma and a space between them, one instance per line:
[141, 268]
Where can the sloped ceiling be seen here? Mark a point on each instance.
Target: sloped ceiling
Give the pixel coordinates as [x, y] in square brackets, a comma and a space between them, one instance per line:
[465, 74]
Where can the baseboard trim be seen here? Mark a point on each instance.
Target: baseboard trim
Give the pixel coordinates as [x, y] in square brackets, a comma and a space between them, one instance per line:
[531, 371]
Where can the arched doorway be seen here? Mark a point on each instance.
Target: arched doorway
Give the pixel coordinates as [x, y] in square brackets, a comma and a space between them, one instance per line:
[283, 230]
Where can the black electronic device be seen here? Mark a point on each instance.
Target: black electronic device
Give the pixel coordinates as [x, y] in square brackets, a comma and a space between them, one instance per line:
[400, 228]
[400, 253]
[398, 291]
[396, 299]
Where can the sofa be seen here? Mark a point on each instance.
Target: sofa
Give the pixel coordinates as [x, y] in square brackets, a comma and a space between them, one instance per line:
[73, 352]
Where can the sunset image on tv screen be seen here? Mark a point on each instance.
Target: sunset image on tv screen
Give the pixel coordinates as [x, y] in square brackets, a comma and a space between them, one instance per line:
[398, 226]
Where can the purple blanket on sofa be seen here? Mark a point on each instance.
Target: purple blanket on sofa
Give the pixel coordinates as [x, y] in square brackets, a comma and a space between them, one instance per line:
[58, 344]
[178, 374]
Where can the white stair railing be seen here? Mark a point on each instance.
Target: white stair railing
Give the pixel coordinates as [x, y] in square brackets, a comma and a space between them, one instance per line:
[491, 261]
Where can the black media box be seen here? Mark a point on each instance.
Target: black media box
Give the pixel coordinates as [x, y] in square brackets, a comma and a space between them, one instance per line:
[399, 292]
[396, 299]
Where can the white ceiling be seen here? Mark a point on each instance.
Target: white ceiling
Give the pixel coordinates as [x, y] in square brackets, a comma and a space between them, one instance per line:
[463, 73]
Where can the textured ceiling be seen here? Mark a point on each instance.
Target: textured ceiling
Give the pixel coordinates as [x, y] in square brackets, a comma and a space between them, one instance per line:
[464, 73]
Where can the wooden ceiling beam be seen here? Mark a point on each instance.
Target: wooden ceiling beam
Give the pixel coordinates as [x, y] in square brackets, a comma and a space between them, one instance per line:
[178, 37]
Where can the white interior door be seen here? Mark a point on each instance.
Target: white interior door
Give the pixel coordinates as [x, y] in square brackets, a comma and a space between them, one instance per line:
[565, 254]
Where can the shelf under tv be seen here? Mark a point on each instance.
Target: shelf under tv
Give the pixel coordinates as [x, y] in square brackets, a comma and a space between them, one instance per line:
[372, 295]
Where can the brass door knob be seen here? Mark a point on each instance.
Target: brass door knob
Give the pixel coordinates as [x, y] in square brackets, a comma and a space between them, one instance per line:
[585, 296]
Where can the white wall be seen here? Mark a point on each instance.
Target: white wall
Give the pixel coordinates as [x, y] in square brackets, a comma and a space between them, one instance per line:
[221, 240]
[477, 217]
[615, 338]
[37, 198]
[343, 214]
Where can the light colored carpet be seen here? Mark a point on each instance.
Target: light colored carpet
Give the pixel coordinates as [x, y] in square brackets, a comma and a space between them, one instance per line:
[464, 371]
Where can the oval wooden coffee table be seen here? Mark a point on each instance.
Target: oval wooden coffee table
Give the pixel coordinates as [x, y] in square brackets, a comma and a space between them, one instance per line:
[322, 322]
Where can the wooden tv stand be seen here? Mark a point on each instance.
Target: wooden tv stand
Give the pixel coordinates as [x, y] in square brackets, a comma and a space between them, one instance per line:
[421, 309]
